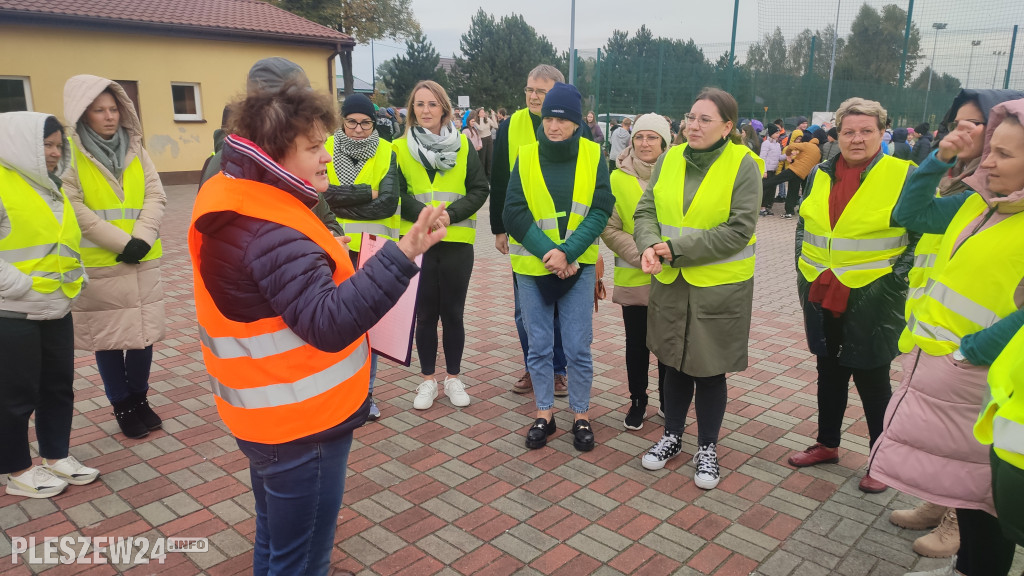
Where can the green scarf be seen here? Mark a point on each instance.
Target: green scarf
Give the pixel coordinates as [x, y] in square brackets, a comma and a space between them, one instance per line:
[110, 153]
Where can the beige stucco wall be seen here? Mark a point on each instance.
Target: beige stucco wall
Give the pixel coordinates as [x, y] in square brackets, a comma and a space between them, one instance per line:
[49, 56]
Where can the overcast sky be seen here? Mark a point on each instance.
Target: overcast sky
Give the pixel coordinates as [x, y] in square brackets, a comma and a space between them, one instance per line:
[710, 22]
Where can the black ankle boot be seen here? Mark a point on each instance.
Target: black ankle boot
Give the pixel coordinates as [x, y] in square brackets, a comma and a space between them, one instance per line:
[128, 419]
[146, 414]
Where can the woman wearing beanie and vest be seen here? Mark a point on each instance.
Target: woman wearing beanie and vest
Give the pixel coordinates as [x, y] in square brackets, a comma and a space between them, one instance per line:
[41, 273]
[695, 229]
[557, 203]
[363, 191]
[971, 107]
[956, 327]
[119, 202]
[852, 260]
[651, 137]
[283, 319]
[441, 168]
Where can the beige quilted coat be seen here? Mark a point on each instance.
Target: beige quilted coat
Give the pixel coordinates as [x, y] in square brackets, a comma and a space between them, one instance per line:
[122, 307]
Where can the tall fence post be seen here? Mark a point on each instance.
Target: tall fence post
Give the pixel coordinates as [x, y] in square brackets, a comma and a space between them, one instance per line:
[1009, 63]
[661, 66]
[906, 44]
[808, 76]
[597, 86]
[732, 43]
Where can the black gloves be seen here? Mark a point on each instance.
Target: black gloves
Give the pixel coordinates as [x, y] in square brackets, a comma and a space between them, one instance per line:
[134, 251]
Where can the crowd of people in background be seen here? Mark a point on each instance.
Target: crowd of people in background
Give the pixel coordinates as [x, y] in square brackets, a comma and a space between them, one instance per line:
[885, 266]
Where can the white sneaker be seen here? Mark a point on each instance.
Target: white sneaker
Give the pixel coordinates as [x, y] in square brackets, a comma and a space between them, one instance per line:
[72, 471]
[456, 392]
[706, 461]
[37, 482]
[947, 570]
[666, 449]
[425, 394]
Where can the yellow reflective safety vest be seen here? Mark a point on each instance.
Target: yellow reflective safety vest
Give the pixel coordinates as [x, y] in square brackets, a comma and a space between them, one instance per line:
[627, 193]
[925, 253]
[863, 245]
[372, 173]
[973, 288]
[758, 159]
[1002, 421]
[709, 208]
[446, 188]
[538, 198]
[38, 244]
[104, 202]
[520, 133]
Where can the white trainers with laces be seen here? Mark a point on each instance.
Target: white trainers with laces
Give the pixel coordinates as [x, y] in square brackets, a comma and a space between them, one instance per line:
[425, 394]
[706, 461]
[666, 449]
[456, 392]
[37, 482]
[72, 471]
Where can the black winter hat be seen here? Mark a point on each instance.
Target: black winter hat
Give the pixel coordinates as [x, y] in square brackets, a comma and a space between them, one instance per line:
[771, 129]
[357, 104]
[563, 101]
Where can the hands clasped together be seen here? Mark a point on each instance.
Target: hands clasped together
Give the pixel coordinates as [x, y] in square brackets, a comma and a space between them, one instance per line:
[650, 260]
[556, 263]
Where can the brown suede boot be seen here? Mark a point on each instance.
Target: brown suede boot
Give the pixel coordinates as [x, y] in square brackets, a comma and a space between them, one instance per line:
[924, 517]
[942, 542]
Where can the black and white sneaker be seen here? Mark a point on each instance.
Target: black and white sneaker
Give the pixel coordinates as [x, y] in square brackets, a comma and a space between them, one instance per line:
[666, 449]
[635, 416]
[706, 461]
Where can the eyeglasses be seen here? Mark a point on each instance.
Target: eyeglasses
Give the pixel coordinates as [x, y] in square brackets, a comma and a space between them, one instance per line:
[365, 124]
[531, 91]
[703, 121]
[862, 134]
[952, 126]
[652, 139]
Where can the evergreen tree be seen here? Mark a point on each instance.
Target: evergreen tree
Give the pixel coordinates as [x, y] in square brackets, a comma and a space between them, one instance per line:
[420, 62]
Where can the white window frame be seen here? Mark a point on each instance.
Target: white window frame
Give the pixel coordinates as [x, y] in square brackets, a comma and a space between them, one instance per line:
[28, 89]
[198, 116]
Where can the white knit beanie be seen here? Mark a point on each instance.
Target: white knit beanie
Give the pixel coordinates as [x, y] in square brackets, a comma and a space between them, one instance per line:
[654, 123]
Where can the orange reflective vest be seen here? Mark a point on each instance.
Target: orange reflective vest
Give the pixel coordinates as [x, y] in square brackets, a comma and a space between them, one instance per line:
[271, 386]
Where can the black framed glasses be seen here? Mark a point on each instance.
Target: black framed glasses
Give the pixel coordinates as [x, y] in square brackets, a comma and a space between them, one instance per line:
[365, 124]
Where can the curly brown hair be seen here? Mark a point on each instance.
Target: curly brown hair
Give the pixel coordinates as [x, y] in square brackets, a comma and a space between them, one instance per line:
[273, 119]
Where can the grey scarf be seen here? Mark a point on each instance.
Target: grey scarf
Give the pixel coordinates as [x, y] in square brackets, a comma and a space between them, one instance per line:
[437, 151]
[110, 153]
[351, 155]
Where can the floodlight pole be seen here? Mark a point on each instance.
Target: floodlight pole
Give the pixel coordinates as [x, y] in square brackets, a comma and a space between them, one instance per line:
[572, 45]
[931, 69]
[970, 62]
[832, 66]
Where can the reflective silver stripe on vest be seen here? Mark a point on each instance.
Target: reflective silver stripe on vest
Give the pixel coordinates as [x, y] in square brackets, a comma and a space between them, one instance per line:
[1007, 435]
[86, 243]
[581, 209]
[313, 385]
[933, 332]
[73, 275]
[869, 245]
[424, 196]
[622, 263]
[548, 223]
[370, 228]
[518, 250]
[819, 267]
[963, 305]
[924, 260]
[863, 266]
[747, 252]
[118, 214]
[677, 231]
[47, 275]
[69, 253]
[448, 196]
[463, 224]
[255, 347]
[815, 240]
[30, 253]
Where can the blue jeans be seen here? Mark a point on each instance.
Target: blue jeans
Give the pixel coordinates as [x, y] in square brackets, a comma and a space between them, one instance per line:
[575, 309]
[373, 370]
[125, 373]
[298, 488]
[524, 339]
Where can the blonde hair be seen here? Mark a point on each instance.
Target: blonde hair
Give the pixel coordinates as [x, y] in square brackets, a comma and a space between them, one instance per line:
[547, 72]
[438, 92]
[861, 107]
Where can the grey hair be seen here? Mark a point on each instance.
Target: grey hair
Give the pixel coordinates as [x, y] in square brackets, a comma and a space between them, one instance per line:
[547, 72]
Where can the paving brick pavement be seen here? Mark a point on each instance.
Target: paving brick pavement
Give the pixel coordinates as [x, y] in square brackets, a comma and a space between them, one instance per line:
[451, 492]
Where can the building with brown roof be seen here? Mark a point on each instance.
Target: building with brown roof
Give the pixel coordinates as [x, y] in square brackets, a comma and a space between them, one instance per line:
[181, 61]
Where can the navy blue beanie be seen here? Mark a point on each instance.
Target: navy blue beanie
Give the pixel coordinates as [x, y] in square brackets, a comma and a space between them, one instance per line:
[563, 101]
[358, 104]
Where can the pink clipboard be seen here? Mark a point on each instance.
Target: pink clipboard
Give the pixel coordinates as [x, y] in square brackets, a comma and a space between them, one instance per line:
[391, 336]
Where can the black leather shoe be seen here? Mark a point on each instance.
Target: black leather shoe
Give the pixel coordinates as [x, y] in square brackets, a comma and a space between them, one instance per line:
[146, 414]
[537, 435]
[582, 436]
[128, 419]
